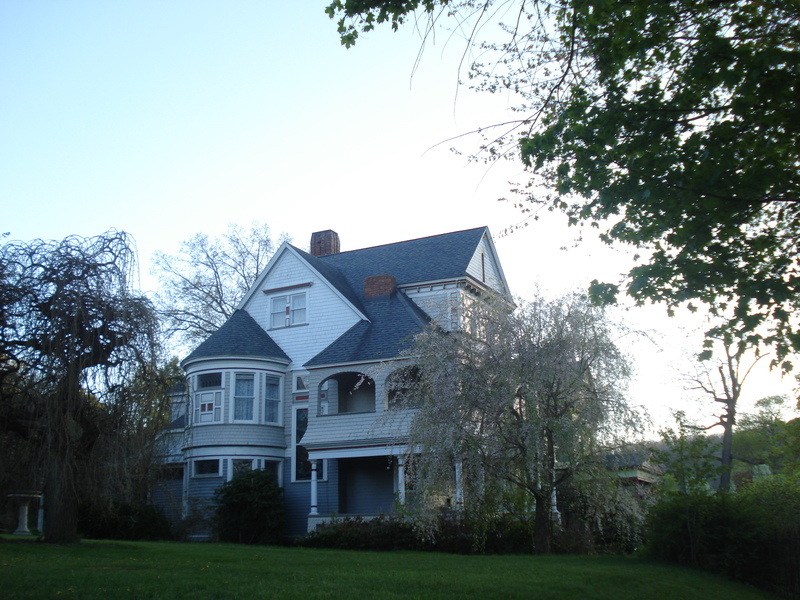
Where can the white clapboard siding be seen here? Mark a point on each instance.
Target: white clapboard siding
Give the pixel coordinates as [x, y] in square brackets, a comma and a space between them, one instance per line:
[328, 314]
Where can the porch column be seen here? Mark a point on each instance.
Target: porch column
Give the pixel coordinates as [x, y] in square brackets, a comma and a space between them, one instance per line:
[313, 511]
[401, 480]
[459, 487]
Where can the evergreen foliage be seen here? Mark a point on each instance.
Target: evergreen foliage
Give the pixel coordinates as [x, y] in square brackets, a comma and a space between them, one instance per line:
[250, 509]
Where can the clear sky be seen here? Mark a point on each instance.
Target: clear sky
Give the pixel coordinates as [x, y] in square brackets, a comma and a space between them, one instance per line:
[165, 119]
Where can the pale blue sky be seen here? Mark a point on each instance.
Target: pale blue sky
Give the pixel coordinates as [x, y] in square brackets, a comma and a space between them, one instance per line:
[169, 118]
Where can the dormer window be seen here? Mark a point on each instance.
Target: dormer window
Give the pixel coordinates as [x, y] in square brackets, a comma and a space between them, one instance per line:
[287, 310]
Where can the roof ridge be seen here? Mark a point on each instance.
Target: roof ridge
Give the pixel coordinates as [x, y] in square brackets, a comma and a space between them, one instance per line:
[417, 239]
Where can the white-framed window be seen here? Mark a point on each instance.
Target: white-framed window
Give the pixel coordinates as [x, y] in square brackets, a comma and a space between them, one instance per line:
[241, 465]
[301, 469]
[208, 398]
[244, 393]
[299, 382]
[206, 468]
[287, 310]
[272, 400]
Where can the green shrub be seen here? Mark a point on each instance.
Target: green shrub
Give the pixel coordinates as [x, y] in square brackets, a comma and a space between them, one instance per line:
[752, 535]
[123, 521]
[380, 533]
[710, 532]
[250, 510]
[453, 532]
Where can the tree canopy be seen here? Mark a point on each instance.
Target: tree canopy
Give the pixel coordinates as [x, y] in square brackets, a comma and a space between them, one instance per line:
[672, 126]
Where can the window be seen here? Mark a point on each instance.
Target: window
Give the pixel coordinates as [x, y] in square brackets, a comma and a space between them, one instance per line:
[208, 407]
[208, 400]
[206, 468]
[241, 465]
[302, 466]
[209, 380]
[243, 396]
[300, 384]
[272, 400]
[288, 310]
[171, 473]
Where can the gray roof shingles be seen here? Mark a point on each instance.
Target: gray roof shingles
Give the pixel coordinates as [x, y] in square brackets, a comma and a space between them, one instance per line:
[240, 335]
[393, 319]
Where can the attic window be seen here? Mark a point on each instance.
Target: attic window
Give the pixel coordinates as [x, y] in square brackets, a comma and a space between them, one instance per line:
[287, 310]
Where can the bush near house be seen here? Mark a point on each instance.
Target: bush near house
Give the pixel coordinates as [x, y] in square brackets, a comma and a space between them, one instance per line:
[450, 531]
[250, 509]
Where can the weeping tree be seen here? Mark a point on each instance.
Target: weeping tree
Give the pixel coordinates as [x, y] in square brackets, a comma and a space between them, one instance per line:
[523, 403]
[75, 332]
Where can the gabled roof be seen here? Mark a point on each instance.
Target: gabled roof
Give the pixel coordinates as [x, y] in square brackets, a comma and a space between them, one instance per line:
[240, 335]
[387, 323]
[394, 319]
[444, 256]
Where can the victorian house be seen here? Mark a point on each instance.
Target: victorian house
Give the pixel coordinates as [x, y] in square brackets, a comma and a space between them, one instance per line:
[298, 380]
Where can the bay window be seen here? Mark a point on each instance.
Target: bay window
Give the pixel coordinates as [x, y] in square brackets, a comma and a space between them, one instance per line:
[243, 397]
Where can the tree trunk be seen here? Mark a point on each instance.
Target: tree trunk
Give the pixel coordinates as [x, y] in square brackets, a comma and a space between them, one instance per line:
[726, 458]
[60, 501]
[542, 525]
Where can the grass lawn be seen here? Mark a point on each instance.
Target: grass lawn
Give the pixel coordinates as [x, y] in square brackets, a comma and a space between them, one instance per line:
[102, 570]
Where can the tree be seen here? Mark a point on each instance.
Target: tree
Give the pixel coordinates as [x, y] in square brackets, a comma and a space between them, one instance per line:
[687, 457]
[671, 125]
[524, 403]
[202, 285]
[723, 382]
[72, 332]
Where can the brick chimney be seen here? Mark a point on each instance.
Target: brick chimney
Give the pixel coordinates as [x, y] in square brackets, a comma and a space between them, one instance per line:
[379, 285]
[324, 243]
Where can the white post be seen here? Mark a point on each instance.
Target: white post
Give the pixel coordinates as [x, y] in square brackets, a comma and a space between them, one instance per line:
[554, 507]
[313, 488]
[401, 480]
[459, 487]
[22, 526]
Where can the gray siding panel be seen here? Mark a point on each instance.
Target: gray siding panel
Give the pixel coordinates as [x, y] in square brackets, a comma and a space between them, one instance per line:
[167, 497]
[366, 486]
[228, 434]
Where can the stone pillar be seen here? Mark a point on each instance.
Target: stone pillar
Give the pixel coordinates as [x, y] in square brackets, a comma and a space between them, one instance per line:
[314, 510]
[23, 500]
[22, 525]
